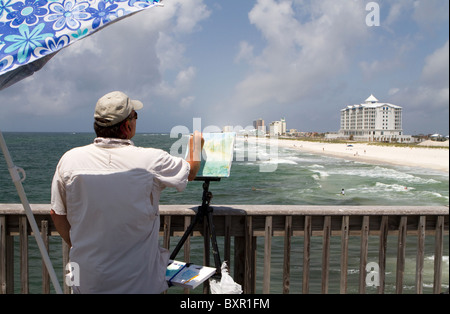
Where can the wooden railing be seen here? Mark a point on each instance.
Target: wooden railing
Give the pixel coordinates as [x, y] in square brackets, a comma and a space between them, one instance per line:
[239, 227]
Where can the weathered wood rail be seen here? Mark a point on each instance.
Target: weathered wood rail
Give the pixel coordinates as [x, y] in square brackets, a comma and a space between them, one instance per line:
[240, 226]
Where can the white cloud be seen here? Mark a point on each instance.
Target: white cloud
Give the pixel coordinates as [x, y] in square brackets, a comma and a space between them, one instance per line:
[185, 17]
[186, 102]
[190, 14]
[435, 81]
[170, 53]
[433, 88]
[303, 52]
[180, 86]
[185, 77]
[396, 10]
[374, 68]
[435, 71]
[430, 13]
[245, 52]
[393, 91]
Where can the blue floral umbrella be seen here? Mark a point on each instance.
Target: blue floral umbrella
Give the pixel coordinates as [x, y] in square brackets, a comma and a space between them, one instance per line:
[33, 31]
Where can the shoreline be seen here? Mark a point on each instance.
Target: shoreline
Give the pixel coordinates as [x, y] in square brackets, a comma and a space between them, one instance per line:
[422, 157]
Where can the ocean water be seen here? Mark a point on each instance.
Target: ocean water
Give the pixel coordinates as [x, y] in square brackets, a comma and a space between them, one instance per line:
[300, 179]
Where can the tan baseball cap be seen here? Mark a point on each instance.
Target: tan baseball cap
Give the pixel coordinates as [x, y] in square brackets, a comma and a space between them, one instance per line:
[114, 107]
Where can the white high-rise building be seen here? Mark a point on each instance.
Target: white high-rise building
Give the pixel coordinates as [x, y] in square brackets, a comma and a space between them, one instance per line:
[373, 121]
[275, 128]
[278, 127]
[283, 126]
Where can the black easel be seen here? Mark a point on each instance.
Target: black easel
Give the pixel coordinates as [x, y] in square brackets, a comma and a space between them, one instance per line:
[203, 211]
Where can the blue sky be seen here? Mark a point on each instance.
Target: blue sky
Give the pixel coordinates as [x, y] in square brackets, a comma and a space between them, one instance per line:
[230, 62]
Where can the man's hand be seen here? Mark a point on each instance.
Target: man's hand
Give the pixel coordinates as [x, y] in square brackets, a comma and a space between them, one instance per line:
[196, 143]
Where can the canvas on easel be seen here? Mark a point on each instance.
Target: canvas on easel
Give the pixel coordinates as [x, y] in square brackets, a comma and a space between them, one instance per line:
[217, 155]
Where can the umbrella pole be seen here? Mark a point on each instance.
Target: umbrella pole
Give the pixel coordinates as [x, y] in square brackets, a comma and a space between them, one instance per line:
[14, 171]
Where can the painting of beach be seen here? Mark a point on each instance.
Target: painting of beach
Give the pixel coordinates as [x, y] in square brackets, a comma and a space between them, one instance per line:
[217, 155]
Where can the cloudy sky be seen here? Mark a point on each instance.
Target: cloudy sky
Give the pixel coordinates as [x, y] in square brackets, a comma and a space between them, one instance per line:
[230, 62]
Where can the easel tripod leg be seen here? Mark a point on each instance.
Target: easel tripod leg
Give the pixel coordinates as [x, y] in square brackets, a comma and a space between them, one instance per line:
[203, 210]
[215, 247]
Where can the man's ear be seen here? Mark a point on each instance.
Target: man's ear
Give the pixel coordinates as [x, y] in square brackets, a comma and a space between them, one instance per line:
[125, 128]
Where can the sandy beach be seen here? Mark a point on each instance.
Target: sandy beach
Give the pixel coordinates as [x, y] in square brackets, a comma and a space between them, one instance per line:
[429, 158]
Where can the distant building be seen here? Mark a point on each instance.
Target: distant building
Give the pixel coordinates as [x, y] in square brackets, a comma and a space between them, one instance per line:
[283, 126]
[373, 121]
[277, 128]
[259, 125]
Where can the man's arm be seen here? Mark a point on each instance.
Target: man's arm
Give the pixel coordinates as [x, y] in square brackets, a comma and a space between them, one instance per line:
[62, 226]
[196, 142]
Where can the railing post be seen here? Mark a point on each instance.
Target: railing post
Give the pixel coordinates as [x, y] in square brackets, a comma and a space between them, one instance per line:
[249, 280]
[227, 241]
[382, 252]
[3, 255]
[438, 251]
[239, 260]
[401, 253]
[23, 235]
[363, 254]
[166, 228]
[420, 254]
[65, 260]
[306, 253]
[187, 245]
[45, 274]
[287, 254]
[267, 254]
[326, 253]
[345, 231]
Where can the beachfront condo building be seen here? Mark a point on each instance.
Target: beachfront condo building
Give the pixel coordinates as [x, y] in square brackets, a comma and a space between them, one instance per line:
[373, 121]
[277, 128]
